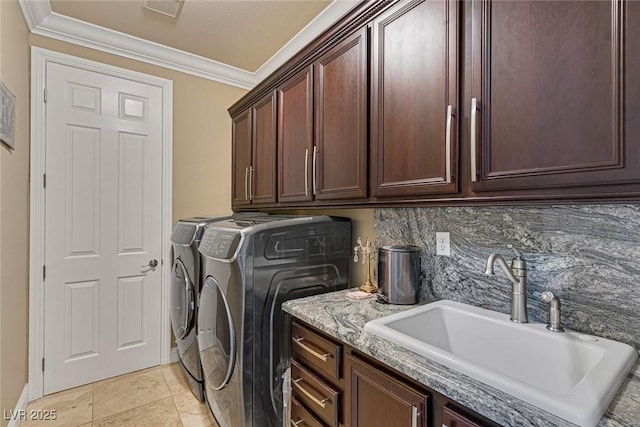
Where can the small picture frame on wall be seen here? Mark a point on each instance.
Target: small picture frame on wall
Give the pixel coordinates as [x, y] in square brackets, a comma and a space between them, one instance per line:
[7, 116]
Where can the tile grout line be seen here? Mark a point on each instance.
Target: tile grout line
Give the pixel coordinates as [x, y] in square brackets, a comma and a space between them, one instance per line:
[135, 407]
[171, 394]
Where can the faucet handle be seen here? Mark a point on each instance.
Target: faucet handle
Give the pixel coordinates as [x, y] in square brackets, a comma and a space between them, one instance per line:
[554, 312]
[518, 253]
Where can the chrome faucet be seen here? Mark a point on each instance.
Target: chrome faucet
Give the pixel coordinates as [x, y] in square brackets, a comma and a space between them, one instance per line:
[518, 277]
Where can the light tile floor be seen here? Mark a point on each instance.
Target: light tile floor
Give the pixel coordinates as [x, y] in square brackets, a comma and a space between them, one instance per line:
[158, 396]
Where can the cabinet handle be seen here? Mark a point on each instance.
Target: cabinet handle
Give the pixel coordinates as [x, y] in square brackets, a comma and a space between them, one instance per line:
[320, 403]
[306, 172]
[296, 423]
[474, 114]
[414, 416]
[250, 182]
[311, 351]
[246, 183]
[315, 178]
[447, 148]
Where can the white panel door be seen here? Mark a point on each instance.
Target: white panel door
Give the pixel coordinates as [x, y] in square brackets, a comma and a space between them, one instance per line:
[102, 227]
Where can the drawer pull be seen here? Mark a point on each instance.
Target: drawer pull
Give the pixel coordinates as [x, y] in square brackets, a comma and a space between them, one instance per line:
[311, 351]
[320, 403]
[295, 423]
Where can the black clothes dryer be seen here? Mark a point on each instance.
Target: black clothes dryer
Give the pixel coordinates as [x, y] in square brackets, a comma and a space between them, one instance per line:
[251, 268]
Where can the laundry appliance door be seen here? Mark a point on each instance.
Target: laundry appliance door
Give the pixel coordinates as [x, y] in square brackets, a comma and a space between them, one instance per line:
[216, 336]
[182, 301]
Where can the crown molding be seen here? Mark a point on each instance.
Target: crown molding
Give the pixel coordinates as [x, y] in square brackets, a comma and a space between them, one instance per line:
[43, 21]
[325, 19]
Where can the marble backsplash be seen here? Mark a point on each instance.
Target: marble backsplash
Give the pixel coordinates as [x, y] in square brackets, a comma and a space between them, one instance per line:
[588, 256]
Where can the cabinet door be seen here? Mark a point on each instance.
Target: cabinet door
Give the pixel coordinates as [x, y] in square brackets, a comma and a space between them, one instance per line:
[414, 99]
[340, 150]
[263, 174]
[452, 418]
[295, 137]
[376, 399]
[549, 93]
[241, 154]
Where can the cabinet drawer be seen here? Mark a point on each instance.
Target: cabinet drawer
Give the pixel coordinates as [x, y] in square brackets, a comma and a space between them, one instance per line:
[317, 395]
[300, 417]
[317, 352]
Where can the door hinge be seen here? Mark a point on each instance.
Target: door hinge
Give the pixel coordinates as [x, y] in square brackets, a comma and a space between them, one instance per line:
[43, 364]
[44, 272]
[44, 180]
[45, 95]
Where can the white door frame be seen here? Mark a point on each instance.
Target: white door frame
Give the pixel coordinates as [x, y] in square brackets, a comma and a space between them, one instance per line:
[39, 59]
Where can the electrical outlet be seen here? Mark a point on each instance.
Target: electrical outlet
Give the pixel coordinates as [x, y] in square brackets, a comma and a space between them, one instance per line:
[443, 246]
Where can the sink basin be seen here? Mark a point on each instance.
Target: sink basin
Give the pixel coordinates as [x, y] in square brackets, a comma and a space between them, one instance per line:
[572, 375]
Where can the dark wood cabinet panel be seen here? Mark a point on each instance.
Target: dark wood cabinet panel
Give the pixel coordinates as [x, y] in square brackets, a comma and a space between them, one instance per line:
[295, 137]
[379, 400]
[263, 174]
[548, 82]
[316, 351]
[414, 99]
[254, 155]
[340, 150]
[378, 110]
[453, 418]
[241, 158]
[301, 417]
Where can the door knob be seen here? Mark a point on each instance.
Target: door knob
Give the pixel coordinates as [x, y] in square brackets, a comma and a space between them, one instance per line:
[152, 263]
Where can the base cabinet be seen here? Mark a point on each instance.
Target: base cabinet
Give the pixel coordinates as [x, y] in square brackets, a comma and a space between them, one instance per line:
[334, 385]
[453, 418]
[377, 399]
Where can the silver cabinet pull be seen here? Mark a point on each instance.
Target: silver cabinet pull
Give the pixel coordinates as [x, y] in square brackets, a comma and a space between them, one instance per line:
[474, 115]
[414, 416]
[314, 168]
[321, 403]
[447, 148]
[246, 183]
[250, 182]
[311, 351]
[306, 172]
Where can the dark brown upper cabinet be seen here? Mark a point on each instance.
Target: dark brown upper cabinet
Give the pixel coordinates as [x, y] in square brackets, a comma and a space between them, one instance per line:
[241, 158]
[414, 101]
[295, 137]
[322, 140]
[339, 162]
[554, 96]
[254, 154]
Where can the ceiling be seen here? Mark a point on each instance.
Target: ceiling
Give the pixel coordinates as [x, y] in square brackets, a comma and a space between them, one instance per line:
[238, 42]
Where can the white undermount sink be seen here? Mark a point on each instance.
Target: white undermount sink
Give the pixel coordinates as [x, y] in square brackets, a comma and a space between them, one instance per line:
[572, 375]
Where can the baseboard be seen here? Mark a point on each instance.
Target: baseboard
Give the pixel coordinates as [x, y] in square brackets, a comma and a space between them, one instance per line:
[174, 355]
[19, 414]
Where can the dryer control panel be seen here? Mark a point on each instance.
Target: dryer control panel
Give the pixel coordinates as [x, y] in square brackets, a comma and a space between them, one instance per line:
[183, 233]
[217, 243]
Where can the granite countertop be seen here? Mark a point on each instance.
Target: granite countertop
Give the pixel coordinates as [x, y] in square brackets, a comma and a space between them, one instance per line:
[344, 319]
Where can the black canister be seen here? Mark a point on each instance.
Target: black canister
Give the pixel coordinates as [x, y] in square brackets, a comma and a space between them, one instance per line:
[399, 273]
